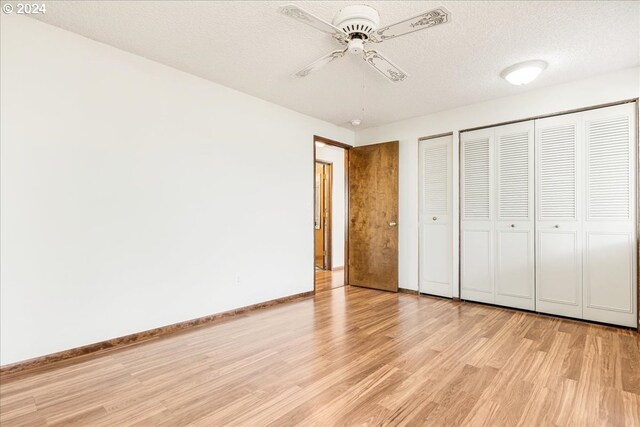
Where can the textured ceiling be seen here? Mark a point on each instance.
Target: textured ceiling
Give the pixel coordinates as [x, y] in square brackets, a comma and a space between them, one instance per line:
[247, 46]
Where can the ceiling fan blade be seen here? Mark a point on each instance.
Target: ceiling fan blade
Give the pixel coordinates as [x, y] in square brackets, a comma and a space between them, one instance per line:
[384, 66]
[293, 11]
[428, 19]
[320, 63]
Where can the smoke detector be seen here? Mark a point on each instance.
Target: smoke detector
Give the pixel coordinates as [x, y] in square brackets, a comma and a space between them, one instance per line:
[356, 122]
[358, 21]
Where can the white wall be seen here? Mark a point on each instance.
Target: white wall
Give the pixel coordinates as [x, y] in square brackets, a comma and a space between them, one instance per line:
[621, 85]
[136, 196]
[336, 156]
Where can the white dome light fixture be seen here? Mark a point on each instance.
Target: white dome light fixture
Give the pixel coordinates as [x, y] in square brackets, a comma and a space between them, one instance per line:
[524, 72]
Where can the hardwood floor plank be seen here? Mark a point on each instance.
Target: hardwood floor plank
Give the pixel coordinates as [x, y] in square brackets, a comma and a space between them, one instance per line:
[329, 279]
[350, 356]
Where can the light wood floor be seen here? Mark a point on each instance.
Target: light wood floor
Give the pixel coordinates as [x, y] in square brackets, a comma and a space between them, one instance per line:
[351, 356]
[329, 279]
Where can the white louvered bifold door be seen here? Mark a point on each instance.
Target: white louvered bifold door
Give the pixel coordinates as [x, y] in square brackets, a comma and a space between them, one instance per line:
[558, 216]
[476, 222]
[609, 284]
[436, 236]
[514, 220]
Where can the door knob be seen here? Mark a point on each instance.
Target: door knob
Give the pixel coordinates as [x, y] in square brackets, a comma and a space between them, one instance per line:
[393, 224]
[435, 218]
[513, 226]
[556, 226]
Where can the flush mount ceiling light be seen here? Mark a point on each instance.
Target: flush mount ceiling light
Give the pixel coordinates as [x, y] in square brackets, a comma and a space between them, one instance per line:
[524, 72]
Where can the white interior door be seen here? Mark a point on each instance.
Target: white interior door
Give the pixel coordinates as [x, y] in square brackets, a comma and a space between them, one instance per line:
[558, 225]
[514, 223]
[586, 233]
[436, 237]
[476, 223]
[609, 267]
[548, 215]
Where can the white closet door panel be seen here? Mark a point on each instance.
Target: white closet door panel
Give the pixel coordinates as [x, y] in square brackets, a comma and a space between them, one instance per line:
[610, 245]
[476, 235]
[436, 234]
[558, 272]
[435, 262]
[477, 265]
[608, 278]
[515, 269]
[514, 224]
[558, 207]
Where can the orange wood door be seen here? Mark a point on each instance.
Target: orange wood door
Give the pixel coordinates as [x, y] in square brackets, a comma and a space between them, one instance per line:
[319, 221]
[373, 216]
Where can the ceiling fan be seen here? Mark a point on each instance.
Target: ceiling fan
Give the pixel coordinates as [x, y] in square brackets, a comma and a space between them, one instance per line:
[357, 25]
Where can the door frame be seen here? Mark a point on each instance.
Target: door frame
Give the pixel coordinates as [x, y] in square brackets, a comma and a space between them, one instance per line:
[346, 147]
[454, 261]
[328, 206]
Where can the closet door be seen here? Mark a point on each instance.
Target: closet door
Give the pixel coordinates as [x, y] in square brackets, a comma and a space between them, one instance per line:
[476, 225]
[558, 225]
[609, 285]
[514, 222]
[436, 235]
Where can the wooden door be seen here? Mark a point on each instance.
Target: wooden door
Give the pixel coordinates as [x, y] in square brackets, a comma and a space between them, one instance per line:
[319, 219]
[373, 216]
[436, 234]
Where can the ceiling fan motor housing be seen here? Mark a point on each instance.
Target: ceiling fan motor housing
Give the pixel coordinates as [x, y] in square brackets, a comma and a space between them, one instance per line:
[358, 21]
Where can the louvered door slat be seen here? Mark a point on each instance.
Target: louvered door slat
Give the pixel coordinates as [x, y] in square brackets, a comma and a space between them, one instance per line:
[513, 176]
[557, 172]
[476, 179]
[608, 166]
[435, 186]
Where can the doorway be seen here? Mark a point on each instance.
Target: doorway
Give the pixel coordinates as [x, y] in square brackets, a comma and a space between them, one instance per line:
[330, 213]
[322, 220]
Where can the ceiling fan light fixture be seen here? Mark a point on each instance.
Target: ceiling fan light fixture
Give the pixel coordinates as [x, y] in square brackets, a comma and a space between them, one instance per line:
[356, 46]
[523, 72]
[357, 19]
[355, 26]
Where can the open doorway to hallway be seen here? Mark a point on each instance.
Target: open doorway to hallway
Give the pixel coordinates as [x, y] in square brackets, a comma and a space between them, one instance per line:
[330, 205]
